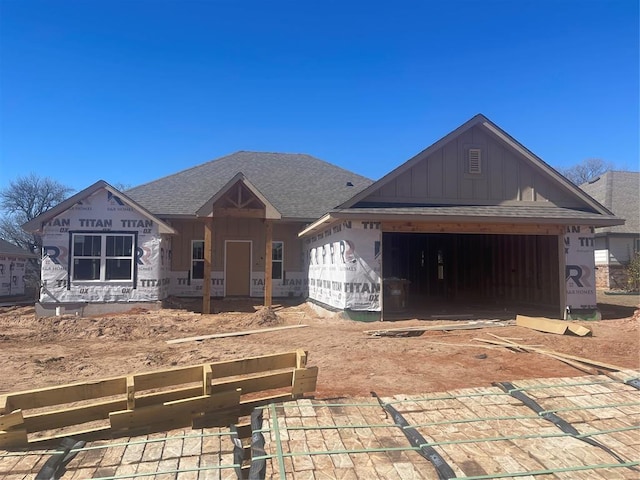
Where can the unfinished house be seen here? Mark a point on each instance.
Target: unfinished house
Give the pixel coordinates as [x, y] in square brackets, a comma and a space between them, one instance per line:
[13, 267]
[226, 228]
[616, 245]
[474, 220]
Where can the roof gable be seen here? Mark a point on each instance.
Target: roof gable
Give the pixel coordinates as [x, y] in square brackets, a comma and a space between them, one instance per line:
[509, 174]
[238, 194]
[36, 224]
[297, 186]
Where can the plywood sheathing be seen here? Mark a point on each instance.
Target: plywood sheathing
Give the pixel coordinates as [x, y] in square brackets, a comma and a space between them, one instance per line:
[478, 431]
[463, 425]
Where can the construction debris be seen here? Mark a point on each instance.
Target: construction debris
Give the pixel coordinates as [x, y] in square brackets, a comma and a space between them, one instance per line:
[211, 394]
[559, 327]
[417, 331]
[584, 364]
[232, 334]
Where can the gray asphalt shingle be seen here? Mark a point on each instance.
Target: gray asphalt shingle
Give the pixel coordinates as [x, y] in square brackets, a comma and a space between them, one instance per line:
[529, 213]
[10, 249]
[298, 185]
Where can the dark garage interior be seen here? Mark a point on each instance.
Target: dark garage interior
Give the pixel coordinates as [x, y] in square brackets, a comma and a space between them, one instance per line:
[446, 272]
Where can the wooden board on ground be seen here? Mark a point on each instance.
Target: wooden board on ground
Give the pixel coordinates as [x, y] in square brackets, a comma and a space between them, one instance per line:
[231, 334]
[559, 355]
[417, 331]
[559, 327]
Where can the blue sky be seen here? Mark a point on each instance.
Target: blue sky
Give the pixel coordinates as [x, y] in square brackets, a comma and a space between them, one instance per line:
[131, 91]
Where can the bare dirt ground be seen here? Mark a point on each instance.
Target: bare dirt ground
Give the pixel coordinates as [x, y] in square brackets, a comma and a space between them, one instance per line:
[50, 351]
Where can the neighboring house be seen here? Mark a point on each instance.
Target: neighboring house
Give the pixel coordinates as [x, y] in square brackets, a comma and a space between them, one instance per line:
[475, 218]
[13, 266]
[616, 245]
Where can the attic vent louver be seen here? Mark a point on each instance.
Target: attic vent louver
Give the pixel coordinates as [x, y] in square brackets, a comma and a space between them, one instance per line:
[475, 160]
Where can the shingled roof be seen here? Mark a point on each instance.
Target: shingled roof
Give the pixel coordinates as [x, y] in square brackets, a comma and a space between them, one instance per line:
[619, 192]
[12, 250]
[299, 186]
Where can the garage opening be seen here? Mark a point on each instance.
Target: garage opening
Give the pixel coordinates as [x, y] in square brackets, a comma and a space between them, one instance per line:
[469, 270]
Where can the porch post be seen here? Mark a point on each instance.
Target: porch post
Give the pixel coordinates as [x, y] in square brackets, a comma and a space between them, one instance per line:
[268, 264]
[208, 260]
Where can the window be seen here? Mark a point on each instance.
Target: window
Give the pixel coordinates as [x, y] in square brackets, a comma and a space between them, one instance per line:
[197, 259]
[104, 257]
[277, 249]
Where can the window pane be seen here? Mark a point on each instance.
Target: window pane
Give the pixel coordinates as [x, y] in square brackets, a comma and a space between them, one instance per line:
[197, 269]
[276, 251]
[276, 271]
[198, 250]
[119, 245]
[86, 245]
[96, 243]
[111, 246]
[118, 269]
[86, 269]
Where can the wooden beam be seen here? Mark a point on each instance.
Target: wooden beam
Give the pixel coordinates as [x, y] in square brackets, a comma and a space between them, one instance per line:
[255, 383]
[249, 365]
[301, 360]
[238, 212]
[178, 413]
[232, 334]
[470, 227]
[74, 392]
[207, 374]
[13, 438]
[11, 420]
[72, 416]
[4, 404]
[131, 392]
[208, 267]
[304, 381]
[268, 262]
[168, 377]
[559, 355]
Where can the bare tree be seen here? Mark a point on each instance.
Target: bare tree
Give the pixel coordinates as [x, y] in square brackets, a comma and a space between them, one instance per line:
[24, 199]
[586, 170]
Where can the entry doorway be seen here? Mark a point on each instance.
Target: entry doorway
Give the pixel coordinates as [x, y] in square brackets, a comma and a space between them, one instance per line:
[237, 268]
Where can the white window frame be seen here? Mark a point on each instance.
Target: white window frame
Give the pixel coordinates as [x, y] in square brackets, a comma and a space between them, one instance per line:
[280, 261]
[102, 257]
[196, 259]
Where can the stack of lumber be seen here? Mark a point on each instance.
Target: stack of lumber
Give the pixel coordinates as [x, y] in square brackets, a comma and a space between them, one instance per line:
[212, 394]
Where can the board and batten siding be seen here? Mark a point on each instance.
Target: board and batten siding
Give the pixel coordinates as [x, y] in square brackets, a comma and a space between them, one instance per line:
[236, 229]
[442, 177]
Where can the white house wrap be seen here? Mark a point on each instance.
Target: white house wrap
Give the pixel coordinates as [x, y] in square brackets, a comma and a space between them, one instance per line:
[344, 266]
[580, 267]
[12, 270]
[103, 250]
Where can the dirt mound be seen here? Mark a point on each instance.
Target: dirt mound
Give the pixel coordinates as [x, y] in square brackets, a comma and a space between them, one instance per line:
[264, 317]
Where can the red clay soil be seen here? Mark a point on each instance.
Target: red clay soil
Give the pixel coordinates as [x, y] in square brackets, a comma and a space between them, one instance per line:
[51, 351]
